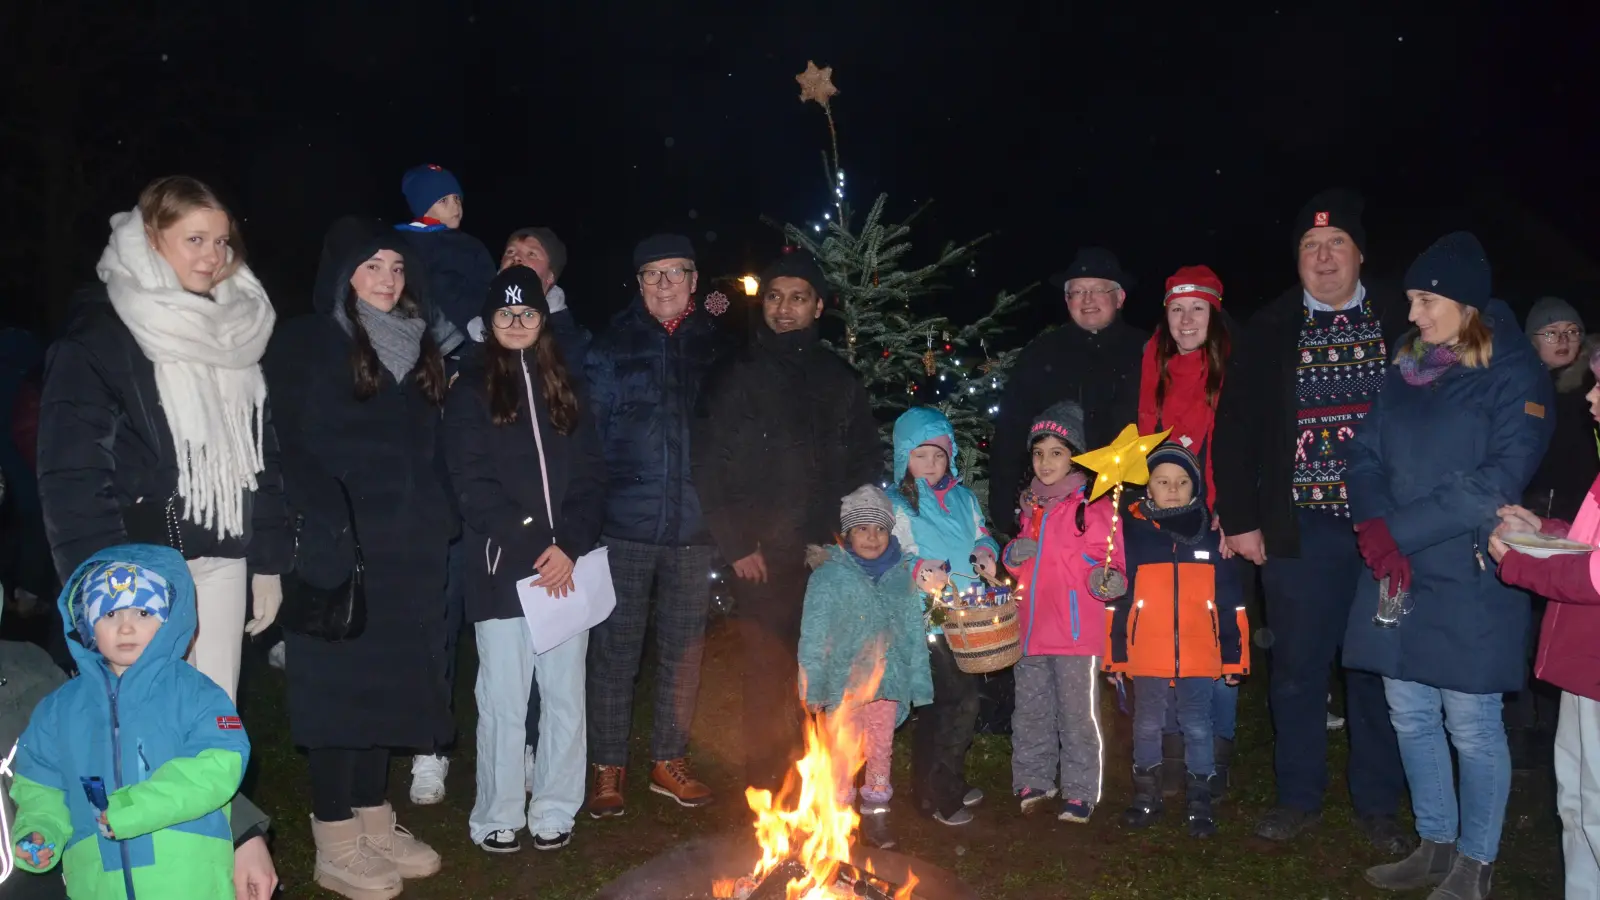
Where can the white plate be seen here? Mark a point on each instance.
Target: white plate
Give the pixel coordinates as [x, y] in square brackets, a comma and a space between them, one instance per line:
[1543, 546]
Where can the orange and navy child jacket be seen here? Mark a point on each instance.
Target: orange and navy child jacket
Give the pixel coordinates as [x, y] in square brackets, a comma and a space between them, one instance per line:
[1183, 615]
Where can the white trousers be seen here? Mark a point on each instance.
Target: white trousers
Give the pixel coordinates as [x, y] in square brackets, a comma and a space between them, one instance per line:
[219, 593]
[1578, 794]
[507, 666]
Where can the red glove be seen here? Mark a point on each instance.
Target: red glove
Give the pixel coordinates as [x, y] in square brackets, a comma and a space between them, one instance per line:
[1397, 568]
[1376, 543]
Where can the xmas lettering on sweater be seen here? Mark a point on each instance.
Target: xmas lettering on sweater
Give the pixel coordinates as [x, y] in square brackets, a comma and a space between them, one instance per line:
[1338, 376]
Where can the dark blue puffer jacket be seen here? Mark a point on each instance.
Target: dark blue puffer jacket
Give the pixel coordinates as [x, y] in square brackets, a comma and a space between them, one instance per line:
[457, 268]
[1435, 461]
[644, 385]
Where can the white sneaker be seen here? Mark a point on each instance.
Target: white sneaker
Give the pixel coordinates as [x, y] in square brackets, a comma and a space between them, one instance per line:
[527, 770]
[427, 779]
[276, 656]
[1334, 722]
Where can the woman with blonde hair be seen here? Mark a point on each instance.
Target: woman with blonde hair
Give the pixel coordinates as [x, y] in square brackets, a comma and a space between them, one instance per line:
[1456, 433]
[153, 423]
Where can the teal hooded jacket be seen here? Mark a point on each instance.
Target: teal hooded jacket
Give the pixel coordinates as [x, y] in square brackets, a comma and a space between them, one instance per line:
[164, 739]
[950, 528]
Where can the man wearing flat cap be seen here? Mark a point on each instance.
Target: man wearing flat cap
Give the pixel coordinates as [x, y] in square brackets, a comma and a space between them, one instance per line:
[644, 376]
[786, 431]
[1093, 360]
[1298, 387]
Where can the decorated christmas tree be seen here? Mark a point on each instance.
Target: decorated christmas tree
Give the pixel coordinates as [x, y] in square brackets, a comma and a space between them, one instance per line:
[908, 354]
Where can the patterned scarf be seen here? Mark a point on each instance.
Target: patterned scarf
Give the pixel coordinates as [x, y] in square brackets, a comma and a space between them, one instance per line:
[671, 325]
[1422, 362]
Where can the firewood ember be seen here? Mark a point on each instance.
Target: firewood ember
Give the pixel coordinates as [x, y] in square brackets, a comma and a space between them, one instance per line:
[776, 885]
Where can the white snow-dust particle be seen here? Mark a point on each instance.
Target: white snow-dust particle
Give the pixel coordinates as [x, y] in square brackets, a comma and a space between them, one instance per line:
[671, 141]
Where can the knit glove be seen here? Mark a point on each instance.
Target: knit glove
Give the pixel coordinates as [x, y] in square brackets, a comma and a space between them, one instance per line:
[266, 592]
[1107, 583]
[931, 576]
[1375, 542]
[1020, 551]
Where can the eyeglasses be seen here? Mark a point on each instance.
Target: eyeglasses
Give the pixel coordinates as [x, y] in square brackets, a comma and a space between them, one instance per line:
[1086, 293]
[505, 318]
[675, 275]
[1564, 336]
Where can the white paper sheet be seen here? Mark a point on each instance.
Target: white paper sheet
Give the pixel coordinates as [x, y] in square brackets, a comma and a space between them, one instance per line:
[555, 620]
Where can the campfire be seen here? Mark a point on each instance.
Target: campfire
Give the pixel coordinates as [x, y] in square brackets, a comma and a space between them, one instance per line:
[804, 833]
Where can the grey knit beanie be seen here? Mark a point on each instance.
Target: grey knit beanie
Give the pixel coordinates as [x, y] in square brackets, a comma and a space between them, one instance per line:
[866, 505]
[1550, 310]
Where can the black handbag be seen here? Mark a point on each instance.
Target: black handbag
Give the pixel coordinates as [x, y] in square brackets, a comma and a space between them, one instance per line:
[328, 614]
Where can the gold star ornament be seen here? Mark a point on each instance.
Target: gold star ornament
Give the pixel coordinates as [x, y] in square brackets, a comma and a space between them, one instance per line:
[1123, 460]
[816, 84]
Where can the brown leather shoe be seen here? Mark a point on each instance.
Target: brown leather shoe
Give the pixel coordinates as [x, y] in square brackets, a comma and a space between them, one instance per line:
[672, 778]
[605, 791]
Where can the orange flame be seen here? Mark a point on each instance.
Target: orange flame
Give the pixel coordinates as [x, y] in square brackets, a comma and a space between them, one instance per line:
[809, 822]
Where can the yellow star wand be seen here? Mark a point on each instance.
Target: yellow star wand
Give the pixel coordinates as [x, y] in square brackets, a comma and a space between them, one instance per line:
[1118, 463]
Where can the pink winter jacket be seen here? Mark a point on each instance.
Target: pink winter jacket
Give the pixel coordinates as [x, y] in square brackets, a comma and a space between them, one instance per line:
[1569, 642]
[1058, 615]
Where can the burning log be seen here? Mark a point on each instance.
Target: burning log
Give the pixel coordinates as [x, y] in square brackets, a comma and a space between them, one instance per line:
[850, 881]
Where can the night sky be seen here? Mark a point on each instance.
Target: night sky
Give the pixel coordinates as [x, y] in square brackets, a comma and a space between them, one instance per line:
[1172, 133]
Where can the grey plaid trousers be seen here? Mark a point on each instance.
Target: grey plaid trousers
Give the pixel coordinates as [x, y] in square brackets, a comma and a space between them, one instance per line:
[681, 579]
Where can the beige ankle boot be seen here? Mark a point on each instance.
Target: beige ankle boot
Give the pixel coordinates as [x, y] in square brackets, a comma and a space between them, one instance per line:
[412, 857]
[349, 865]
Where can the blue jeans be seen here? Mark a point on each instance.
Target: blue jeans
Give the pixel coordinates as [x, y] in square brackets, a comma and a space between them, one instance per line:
[1422, 715]
[1308, 602]
[1193, 709]
[1224, 710]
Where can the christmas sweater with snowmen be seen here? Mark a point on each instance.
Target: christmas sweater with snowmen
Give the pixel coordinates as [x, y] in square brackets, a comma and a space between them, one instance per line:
[1338, 376]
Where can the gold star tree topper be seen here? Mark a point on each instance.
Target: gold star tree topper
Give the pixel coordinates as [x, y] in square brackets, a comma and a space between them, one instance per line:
[1123, 460]
[816, 84]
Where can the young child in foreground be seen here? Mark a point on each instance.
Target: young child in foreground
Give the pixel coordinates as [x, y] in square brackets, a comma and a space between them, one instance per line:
[1059, 559]
[124, 773]
[861, 607]
[940, 522]
[1181, 622]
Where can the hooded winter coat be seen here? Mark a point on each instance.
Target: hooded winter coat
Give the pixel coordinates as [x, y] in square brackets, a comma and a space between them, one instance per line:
[1569, 640]
[1434, 462]
[1057, 613]
[495, 472]
[107, 464]
[167, 743]
[1183, 614]
[786, 430]
[644, 384]
[386, 687]
[1097, 370]
[947, 526]
[852, 622]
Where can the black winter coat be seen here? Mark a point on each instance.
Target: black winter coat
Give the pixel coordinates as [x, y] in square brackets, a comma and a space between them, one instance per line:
[1571, 464]
[644, 385]
[1100, 371]
[1254, 443]
[458, 269]
[385, 688]
[105, 445]
[785, 432]
[495, 472]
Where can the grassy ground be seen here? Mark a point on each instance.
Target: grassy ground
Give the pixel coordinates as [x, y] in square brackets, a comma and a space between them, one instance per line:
[1003, 855]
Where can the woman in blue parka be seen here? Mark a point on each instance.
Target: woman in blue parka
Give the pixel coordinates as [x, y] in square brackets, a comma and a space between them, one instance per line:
[1458, 430]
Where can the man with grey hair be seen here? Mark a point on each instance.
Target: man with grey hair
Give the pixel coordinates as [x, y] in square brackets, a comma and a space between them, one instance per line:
[1093, 361]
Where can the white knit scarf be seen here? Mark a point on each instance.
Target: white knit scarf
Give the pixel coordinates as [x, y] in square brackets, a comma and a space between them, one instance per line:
[207, 353]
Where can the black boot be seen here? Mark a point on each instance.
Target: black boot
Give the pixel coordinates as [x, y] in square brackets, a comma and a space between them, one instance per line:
[875, 825]
[1425, 867]
[1222, 753]
[1202, 823]
[1171, 764]
[1468, 880]
[1146, 806]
